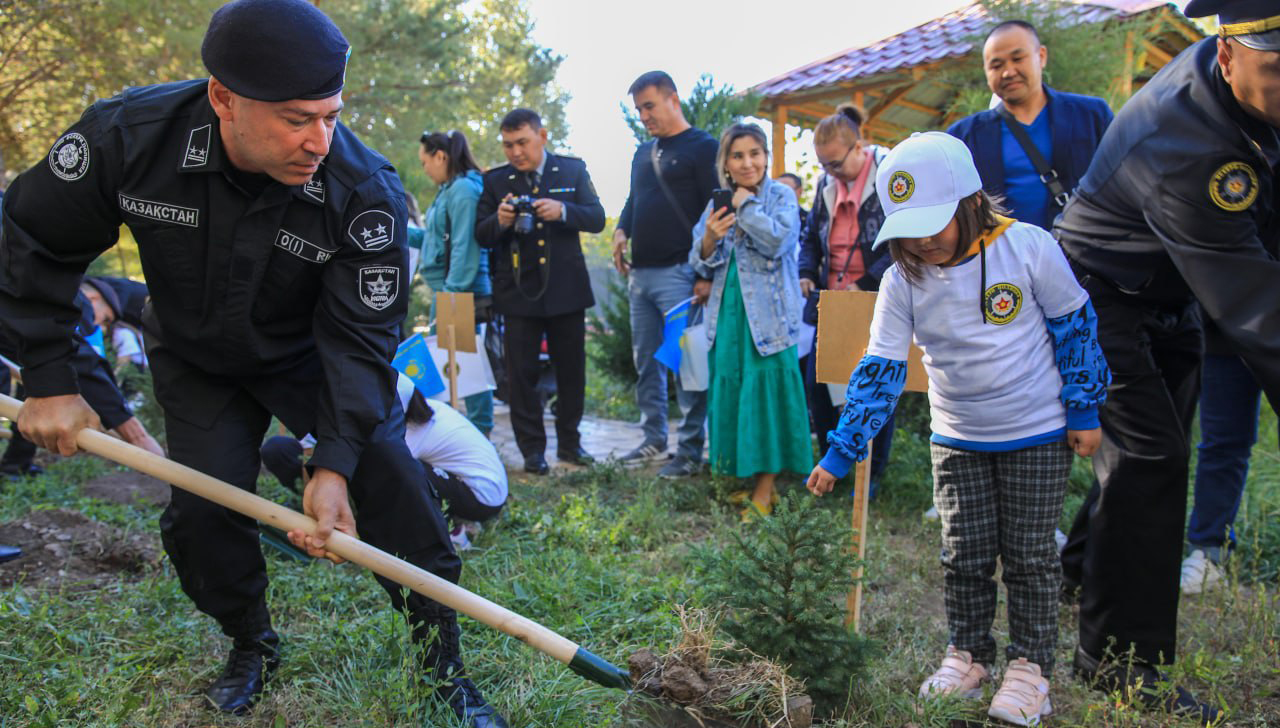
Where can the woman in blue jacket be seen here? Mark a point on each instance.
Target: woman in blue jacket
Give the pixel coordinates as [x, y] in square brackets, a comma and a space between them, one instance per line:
[452, 261]
[755, 406]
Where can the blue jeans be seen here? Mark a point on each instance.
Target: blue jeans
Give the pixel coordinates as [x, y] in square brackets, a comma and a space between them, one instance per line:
[653, 292]
[1229, 402]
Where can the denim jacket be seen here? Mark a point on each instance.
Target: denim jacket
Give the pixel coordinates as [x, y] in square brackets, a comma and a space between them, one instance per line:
[452, 216]
[763, 244]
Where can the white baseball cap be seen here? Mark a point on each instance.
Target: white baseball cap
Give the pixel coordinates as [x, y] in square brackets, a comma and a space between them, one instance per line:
[920, 183]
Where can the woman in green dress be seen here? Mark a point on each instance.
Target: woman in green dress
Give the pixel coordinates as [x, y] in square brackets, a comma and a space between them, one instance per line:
[757, 419]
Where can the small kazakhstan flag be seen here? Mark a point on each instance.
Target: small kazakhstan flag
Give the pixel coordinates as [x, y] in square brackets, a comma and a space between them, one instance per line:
[413, 359]
[674, 323]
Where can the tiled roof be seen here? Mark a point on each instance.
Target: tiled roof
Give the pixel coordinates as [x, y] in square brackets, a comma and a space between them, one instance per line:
[946, 37]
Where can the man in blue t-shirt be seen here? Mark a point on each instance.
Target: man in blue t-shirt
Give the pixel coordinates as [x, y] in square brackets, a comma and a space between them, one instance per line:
[1065, 128]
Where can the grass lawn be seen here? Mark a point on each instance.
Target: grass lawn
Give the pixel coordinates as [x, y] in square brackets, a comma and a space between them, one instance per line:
[601, 555]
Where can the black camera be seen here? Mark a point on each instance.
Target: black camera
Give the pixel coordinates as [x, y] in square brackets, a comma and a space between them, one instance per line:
[524, 213]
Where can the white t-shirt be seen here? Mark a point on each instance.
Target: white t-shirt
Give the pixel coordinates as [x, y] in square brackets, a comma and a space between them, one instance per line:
[988, 382]
[128, 344]
[451, 443]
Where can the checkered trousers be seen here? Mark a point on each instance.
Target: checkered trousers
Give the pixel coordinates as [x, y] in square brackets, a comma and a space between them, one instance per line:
[1006, 505]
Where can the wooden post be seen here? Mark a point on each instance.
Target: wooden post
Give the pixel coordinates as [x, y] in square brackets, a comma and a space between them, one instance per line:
[453, 367]
[1126, 83]
[861, 494]
[859, 100]
[779, 141]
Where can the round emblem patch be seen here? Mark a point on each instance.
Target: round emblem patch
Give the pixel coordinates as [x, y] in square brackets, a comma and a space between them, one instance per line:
[1002, 303]
[1234, 186]
[69, 158]
[901, 186]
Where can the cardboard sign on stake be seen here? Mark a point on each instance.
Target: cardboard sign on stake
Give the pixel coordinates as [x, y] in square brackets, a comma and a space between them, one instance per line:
[457, 310]
[844, 330]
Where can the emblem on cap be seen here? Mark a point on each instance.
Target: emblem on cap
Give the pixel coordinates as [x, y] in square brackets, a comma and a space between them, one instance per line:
[69, 157]
[372, 230]
[1234, 186]
[379, 286]
[901, 186]
[1001, 303]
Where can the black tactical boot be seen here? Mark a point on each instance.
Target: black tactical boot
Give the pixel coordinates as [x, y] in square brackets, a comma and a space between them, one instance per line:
[1144, 683]
[255, 654]
[439, 633]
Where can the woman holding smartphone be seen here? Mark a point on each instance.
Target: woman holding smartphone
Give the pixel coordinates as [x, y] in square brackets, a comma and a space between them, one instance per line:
[757, 420]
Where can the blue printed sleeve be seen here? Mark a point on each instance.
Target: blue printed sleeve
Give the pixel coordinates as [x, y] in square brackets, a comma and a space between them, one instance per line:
[873, 392]
[1085, 376]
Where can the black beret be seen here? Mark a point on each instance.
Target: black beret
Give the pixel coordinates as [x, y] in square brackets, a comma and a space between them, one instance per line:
[275, 50]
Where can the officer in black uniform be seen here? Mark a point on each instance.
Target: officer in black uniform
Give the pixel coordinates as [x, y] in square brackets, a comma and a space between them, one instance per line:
[1178, 206]
[540, 281]
[273, 246]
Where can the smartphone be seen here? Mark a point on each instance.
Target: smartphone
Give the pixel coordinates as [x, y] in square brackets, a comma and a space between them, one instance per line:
[721, 198]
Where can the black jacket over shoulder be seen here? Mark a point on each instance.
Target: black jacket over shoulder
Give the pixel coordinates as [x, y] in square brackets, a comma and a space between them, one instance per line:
[542, 273]
[1180, 202]
[243, 284]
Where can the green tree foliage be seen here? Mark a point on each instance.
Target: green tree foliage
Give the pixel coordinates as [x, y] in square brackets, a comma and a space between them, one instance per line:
[1083, 57]
[610, 349]
[415, 65]
[782, 582]
[709, 108]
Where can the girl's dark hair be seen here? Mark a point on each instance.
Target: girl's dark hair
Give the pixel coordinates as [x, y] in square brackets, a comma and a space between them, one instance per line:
[454, 144]
[419, 413]
[975, 216]
[845, 124]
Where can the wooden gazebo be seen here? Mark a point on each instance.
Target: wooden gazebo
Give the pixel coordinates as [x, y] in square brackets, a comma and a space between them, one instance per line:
[895, 80]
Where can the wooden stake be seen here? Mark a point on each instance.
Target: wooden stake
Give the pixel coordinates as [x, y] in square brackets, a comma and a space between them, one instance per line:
[453, 367]
[861, 495]
[352, 549]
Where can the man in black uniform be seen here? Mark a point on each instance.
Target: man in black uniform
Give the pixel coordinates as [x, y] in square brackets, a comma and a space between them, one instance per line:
[1179, 205]
[273, 246]
[540, 282]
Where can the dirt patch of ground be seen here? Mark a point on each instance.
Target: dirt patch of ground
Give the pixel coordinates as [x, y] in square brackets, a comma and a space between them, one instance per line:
[128, 488]
[64, 548]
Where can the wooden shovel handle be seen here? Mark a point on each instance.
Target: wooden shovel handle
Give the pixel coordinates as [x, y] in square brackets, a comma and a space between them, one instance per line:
[351, 549]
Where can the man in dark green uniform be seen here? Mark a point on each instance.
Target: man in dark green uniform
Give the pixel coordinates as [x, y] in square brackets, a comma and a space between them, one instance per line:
[1179, 206]
[273, 246]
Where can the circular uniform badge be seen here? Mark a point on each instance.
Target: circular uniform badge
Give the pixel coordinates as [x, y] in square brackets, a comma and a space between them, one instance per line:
[901, 186]
[1002, 302]
[1234, 186]
[69, 157]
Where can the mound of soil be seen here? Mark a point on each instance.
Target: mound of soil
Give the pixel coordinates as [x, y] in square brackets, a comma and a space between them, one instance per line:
[64, 548]
[688, 681]
[128, 488]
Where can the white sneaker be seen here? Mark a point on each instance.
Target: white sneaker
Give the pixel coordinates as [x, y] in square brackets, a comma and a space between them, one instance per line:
[461, 541]
[1023, 697]
[958, 675]
[1199, 574]
[931, 514]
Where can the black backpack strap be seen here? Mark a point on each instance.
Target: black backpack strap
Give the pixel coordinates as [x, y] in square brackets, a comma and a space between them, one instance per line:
[1048, 175]
[666, 190]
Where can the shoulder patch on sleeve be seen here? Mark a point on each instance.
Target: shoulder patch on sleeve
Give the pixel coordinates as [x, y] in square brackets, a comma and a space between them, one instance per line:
[1234, 186]
[69, 157]
[379, 286]
[372, 230]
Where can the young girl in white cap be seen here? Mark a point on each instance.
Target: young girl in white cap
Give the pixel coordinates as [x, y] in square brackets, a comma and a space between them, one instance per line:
[1015, 381]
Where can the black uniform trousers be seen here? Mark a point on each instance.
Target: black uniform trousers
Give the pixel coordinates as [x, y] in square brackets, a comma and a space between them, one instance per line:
[566, 346]
[216, 425]
[1127, 538]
